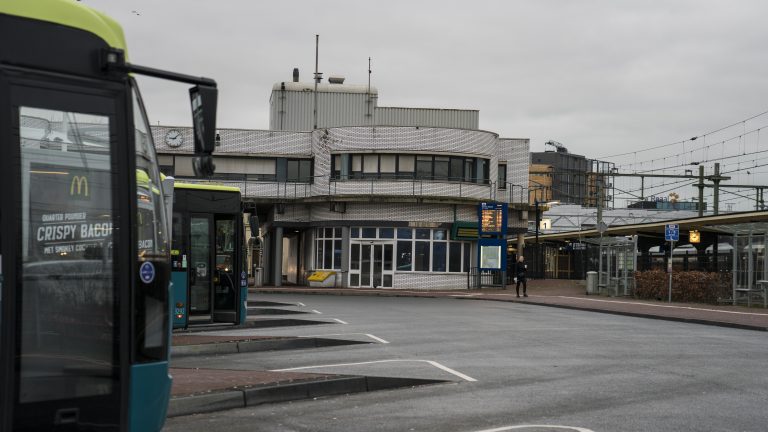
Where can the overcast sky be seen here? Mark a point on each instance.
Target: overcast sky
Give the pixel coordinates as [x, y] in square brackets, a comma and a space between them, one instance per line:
[600, 77]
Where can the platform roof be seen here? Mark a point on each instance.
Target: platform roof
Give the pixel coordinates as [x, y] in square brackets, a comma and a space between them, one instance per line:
[738, 223]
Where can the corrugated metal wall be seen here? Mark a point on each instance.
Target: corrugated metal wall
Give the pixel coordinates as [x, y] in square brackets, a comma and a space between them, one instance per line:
[427, 117]
[292, 110]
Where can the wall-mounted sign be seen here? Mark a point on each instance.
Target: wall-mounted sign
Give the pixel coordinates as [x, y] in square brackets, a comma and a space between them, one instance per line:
[694, 236]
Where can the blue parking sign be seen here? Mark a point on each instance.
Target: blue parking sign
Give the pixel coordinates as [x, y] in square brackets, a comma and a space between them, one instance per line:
[672, 232]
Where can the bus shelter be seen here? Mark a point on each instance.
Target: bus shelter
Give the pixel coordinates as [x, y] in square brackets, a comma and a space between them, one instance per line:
[616, 264]
[750, 262]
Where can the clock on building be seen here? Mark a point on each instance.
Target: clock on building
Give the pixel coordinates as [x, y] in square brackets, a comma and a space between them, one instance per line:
[174, 138]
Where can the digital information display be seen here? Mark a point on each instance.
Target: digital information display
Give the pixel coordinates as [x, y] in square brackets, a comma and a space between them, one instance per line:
[492, 218]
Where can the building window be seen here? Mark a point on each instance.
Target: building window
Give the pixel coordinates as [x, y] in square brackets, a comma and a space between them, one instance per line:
[406, 166]
[370, 166]
[404, 253]
[328, 249]
[457, 169]
[388, 165]
[502, 176]
[424, 167]
[482, 171]
[421, 256]
[357, 166]
[430, 250]
[442, 168]
[294, 170]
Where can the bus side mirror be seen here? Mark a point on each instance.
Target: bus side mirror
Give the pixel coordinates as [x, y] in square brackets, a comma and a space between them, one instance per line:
[253, 221]
[203, 99]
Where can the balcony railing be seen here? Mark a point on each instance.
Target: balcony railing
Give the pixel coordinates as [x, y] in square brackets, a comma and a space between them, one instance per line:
[329, 186]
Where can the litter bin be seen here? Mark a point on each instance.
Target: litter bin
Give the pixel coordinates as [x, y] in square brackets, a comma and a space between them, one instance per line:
[591, 282]
[257, 276]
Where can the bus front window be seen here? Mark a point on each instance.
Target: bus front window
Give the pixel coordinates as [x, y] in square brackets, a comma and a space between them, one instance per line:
[68, 295]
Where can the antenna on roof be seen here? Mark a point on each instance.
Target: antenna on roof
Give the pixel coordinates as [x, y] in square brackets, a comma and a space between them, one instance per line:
[368, 114]
[317, 76]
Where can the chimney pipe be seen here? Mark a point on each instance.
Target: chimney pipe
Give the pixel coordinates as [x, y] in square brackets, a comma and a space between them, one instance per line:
[295, 74]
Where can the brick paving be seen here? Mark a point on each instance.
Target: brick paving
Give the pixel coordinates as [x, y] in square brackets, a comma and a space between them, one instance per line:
[187, 339]
[194, 381]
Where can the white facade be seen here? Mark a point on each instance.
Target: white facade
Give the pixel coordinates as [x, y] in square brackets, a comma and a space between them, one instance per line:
[376, 203]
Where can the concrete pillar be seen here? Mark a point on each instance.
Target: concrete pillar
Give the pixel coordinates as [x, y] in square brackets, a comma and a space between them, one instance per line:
[277, 256]
[520, 244]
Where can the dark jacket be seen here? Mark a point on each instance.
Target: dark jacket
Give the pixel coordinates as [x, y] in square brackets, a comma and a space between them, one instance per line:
[520, 270]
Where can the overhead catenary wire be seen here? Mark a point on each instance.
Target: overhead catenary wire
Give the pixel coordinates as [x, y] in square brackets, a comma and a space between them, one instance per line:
[694, 138]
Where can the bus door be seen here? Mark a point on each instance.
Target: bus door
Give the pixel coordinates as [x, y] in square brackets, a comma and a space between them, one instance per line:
[200, 268]
[64, 172]
[214, 282]
[227, 272]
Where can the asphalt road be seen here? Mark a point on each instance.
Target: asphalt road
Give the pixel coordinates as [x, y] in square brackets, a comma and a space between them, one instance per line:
[531, 365]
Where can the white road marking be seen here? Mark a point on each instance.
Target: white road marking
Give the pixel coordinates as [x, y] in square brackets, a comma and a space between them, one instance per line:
[506, 428]
[376, 338]
[340, 321]
[316, 311]
[301, 304]
[433, 363]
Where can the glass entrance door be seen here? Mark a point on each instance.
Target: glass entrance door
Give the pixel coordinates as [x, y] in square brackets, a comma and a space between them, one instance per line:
[200, 272]
[371, 265]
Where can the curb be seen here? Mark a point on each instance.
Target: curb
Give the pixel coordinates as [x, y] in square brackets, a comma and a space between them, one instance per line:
[255, 323]
[196, 404]
[561, 306]
[236, 347]
[639, 315]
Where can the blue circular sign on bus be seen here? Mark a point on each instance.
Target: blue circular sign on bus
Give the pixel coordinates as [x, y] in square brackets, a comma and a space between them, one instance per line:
[147, 272]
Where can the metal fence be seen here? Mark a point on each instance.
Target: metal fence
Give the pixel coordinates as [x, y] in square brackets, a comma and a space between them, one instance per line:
[477, 279]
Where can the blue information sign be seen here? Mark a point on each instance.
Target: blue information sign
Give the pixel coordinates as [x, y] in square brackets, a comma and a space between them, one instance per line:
[672, 232]
[492, 218]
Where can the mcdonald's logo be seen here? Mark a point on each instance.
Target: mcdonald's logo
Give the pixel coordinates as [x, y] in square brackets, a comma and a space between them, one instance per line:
[82, 186]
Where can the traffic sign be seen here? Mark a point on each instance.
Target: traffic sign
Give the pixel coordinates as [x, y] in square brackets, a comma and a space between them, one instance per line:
[672, 232]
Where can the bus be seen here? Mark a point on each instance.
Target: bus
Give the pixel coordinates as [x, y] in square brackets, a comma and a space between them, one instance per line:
[84, 250]
[210, 284]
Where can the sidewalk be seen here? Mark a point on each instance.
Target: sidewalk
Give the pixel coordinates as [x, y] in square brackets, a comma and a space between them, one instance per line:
[571, 295]
[197, 390]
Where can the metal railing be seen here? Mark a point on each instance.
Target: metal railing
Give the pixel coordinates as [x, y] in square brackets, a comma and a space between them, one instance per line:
[411, 187]
[477, 279]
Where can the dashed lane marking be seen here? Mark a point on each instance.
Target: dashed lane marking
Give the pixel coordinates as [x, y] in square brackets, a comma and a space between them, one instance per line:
[433, 363]
[376, 338]
[340, 321]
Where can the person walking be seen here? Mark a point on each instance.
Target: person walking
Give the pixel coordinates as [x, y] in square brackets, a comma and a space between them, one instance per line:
[520, 270]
